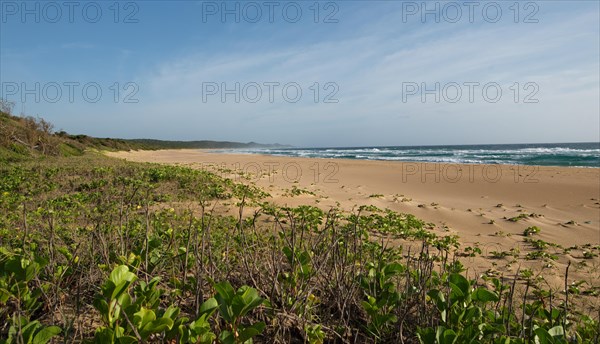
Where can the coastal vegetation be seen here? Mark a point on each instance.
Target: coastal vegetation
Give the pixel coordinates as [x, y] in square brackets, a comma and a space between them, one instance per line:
[94, 249]
[23, 137]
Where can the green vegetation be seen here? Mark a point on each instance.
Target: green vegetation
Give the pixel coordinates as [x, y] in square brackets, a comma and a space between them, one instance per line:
[523, 216]
[25, 137]
[519, 217]
[531, 231]
[140, 313]
[161, 144]
[95, 249]
[99, 250]
[296, 191]
[471, 251]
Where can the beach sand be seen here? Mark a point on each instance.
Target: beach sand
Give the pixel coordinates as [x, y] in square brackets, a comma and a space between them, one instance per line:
[471, 201]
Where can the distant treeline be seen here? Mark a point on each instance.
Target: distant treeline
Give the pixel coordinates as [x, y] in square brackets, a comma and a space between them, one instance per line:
[22, 137]
[160, 144]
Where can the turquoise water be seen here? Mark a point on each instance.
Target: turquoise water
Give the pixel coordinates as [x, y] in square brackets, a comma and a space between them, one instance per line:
[547, 154]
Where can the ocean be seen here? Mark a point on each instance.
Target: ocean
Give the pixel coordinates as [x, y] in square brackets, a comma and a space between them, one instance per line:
[546, 154]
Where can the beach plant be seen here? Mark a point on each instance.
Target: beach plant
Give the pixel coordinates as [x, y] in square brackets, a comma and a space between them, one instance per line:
[110, 303]
[198, 331]
[233, 306]
[540, 255]
[131, 317]
[499, 254]
[296, 191]
[19, 301]
[381, 296]
[137, 316]
[531, 231]
[22, 330]
[472, 251]
[519, 217]
[465, 313]
[314, 334]
[589, 254]
[17, 274]
[300, 271]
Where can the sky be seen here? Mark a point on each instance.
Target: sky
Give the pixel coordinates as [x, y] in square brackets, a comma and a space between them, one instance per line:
[307, 73]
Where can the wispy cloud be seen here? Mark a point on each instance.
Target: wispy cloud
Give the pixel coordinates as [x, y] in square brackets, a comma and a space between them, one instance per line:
[369, 69]
[368, 55]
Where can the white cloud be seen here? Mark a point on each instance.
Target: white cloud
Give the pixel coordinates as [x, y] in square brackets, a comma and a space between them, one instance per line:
[369, 65]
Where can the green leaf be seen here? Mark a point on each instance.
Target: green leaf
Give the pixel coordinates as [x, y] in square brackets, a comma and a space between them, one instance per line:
[14, 266]
[29, 330]
[542, 336]
[438, 298]
[445, 336]
[393, 269]
[251, 331]
[427, 336]
[199, 324]
[172, 313]
[557, 331]
[65, 252]
[225, 291]
[450, 336]
[207, 338]
[31, 271]
[122, 279]
[484, 295]
[226, 337]
[107, 288]
[304, 258]
[460, 286]
[143, 317]
[122, 302]
[200, 331]
[288, 254]
[127, 340]
[121, 274]
[102, 306]
[156, 326]
[224, 297]
[103, 335]
[249, 298]
[208, 306]
[45, 334]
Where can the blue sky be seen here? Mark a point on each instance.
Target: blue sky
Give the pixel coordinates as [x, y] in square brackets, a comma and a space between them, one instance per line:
[369, 61]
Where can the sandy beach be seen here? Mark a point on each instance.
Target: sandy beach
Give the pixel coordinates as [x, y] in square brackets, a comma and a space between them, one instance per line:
[474, 202]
